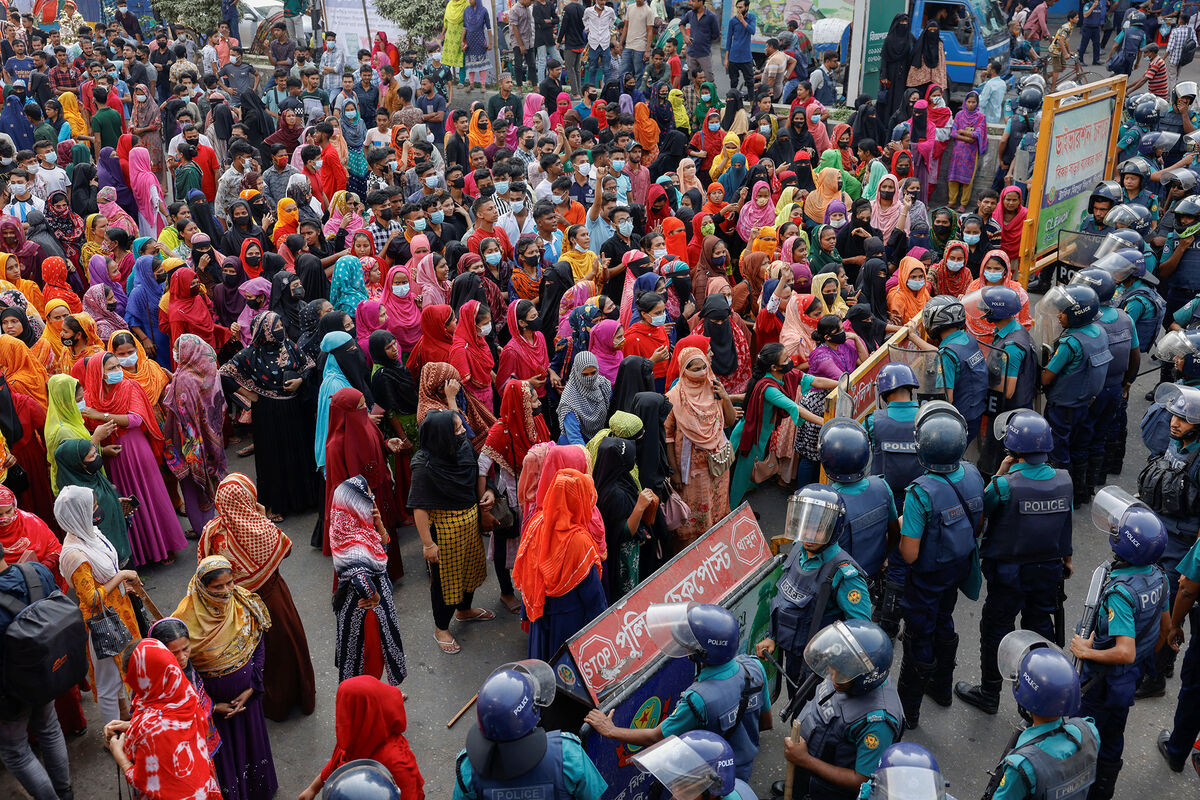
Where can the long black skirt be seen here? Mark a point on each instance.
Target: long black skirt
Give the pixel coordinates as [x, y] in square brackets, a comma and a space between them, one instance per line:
[283, 456]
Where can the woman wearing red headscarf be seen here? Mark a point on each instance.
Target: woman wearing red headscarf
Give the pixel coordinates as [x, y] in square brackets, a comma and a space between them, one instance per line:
[1010, 215]
[437, 334]
[707, 143]
[675, 237]
[657, 207]
[54, 276]
[370, 722]
[525, 358]
[355, 446]
[190, 311]
[469, 351]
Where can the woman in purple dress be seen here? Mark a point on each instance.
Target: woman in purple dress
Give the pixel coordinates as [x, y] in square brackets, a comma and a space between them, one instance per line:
[155, 534]
[970, 136]
[225, 626]
[838, 350]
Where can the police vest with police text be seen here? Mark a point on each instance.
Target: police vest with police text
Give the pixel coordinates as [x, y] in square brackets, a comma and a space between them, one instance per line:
[797, 596]
[544, 782]
[949, 526]
[1080, 387]
[827, 724]
[971, 382]
[1030, 527]
[894, 451]
[1147, 593]
[1061, 778]
[733, 705]
[867, 515]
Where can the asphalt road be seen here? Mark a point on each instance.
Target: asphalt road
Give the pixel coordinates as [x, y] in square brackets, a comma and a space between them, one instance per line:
[966, 742]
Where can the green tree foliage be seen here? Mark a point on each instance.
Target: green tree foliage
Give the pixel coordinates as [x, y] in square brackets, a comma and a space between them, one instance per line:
[420, 21]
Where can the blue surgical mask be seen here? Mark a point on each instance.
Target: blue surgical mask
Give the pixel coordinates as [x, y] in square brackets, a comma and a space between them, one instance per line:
[492, 258]
[431, 181]
[52, 157]
[419, 225]
[816, 118]
[765, 130]
[971, 238]
[916, 284]
[625, 228]
[714, 126]
[129, 361]
[114, 377]
[501, 187]
[955, 266]
[618, 164]
[401, 290]
[437, 217]
[718, 261]
[993, 275]
[705, 96]
[659, 320]
[558, 199]
[518, 206]
[352, 115]
[82, 405]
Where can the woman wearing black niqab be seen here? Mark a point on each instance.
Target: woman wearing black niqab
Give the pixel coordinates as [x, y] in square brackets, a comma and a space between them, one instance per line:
[895, 59]
[928, 50]
[555, 282]
[672, 146]
[286, 304]
[635, 375]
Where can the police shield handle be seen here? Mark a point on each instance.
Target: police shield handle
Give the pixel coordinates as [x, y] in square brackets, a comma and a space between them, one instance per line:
[1091, 604]
[790, 779]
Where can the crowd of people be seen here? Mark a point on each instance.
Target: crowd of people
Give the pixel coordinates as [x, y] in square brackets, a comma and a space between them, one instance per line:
[565, 333]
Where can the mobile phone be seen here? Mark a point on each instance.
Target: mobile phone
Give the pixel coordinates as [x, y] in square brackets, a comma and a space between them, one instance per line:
[134, 503]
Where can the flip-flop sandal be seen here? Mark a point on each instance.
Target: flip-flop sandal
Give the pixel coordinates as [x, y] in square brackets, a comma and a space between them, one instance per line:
[514, 607]
[248, 450]
[483, 616]
[449, 648]
[275, 518]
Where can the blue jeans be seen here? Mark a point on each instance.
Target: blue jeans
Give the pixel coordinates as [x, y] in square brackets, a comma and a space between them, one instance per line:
[633, 61]
[49, 782]
[597, 61]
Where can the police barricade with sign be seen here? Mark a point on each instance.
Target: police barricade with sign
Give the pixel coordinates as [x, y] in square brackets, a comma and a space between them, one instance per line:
[612, 664]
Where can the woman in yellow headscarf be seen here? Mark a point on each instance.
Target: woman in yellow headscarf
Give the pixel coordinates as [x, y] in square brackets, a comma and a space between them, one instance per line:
[729, 148]
[766, 241]
[783, 206]
[63, 420]
[81, 328]
[95, 242]
[25, 375]
[73, 116]
[48, 349]
[479, 133]
[675, 97]
[12, 276]
[827, 287]
[224, 628]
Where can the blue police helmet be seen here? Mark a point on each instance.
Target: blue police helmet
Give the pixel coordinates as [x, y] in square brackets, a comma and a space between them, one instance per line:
[719, 755]
[1140, 538]
[1191, 360]
[1146, 113]
[1080, 303]
[941, 437]
[1135, 166]
[1101, 281]
[1122, 264]
[894, 376]
[716, 631]
[908, 754]
[1000, 303]
[845, 450]
[1024, 432]
[878, 647]
[1047, 684]
[505, 707]
[1157, 140]
[361, 779]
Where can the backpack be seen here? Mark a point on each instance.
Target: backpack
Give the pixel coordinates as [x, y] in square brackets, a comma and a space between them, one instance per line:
[45, 646]
[1188, 51]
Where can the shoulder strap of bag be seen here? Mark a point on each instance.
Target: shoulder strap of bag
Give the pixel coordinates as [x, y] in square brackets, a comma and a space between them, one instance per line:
[33, 584]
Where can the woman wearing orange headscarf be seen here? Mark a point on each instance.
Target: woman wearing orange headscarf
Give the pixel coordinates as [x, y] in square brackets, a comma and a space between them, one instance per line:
[479, 132]
[32, 292]
[80, 330]
[557, 567]
[287, 220]
[25, 375]
[826, 192]
[906, 299]
[645, 131]
[49, 347]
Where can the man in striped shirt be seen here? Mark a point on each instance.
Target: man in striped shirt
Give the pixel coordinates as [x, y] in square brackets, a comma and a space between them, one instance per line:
[1155, 77]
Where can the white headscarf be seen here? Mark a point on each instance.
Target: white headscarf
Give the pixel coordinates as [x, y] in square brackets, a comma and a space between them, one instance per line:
[84, 543]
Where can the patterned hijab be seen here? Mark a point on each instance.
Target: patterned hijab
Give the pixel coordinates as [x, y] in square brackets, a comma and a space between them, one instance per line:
[241, 533]
[224, 632]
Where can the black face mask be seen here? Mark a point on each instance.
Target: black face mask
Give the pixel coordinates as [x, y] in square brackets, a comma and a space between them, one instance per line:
[787, 367]
[297, 292]
[92, 467]
[614, 314]
[941, 230]
[67, 342]
[253, 260]
[254, 302]
[887, 194]
[230, 281]
[458, 183]
[241, 222]
[837, 338]
[111, 306]
[901, 172]
[385, 213]
[487, 191]
[529, 144]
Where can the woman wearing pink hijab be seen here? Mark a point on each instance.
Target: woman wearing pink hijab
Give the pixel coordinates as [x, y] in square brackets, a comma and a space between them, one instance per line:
[400, 300]
[534, 103]
[816, 126]
[569, 456]
[369, 317]
[562, 106]
[758, 212]
[431, 289]
[147, 193]
[419, 248]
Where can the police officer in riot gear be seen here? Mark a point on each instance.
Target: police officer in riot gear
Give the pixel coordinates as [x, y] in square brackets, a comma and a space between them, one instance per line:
[508, 755]
[1074, 376]
[1175, 744]
[1170, 485]
[964, 366]
[361, 779]
[1122, 628]
[1106, 195]
[1001, 305]
[1108, 409]
[1181, 349]
[893, 442]
[1179, 269]
[1135, 174]
[854, 713]
[1144, 119]
[821, 582]
[942, 512]
[872, 524]
[906, 771]
[1056, 755]
[1026, 548]
[728, 694]
[1135, 292]
[696, 765]
[1172, 119]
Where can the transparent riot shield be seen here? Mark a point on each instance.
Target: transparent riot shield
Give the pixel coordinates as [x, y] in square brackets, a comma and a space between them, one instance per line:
[926, 366]
[1046, 327]
[1076, 250]
[991, 449]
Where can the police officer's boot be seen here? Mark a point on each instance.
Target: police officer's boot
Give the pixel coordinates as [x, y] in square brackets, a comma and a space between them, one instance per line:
[985, 696]
[1114, 454]
[1105, 784]
[1154, 681]
[1078, 473]
[1095, 473]
[914, 675]
[941, 683]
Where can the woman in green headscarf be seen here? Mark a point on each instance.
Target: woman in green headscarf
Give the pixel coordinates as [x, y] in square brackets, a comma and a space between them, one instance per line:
[833, 159]
[452, 34]
[708, 90]
[621, 424]
[79, 464]
[80, 154]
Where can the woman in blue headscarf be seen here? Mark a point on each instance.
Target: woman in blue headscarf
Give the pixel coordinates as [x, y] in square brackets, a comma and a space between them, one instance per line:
[141, 311]
[346, 287]
[14, 122]
[354, 132]
[333, 380]
[734, 178]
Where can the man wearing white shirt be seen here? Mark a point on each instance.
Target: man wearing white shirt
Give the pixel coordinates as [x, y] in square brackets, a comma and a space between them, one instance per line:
[519, 219]
[49, 177]
[23, 200]
[178, 139]
[598, 23]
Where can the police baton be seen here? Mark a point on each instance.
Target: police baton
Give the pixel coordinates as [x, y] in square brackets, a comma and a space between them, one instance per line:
[462, 710]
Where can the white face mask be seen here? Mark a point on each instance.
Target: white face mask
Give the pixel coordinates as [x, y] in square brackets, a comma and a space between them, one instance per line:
[486, 330]
[580, 248]
[955, 266]
[837, 223]
[401, 290]
[583, 169]
[761, 201]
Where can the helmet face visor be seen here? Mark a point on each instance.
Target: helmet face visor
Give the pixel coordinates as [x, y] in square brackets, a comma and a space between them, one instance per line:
[1013, 649]
[667, 625]
[908, 783]
[541, 675]
[1109, 507]
[834, 653]
[810, 520]
[677, 767]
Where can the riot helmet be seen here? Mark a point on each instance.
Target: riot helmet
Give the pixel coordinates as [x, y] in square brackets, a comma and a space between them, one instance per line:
[855, 654]
[845, 449]
[509, 702]
[361, 779]
[1025, 433]
[1099, 279]
[815, 516]
[690, 765]
[1044, 680]
[942, 313]
[941, 436]
[891, 377]
[1135, 533]
[1000, 303]
[704, 632]
[1105, 190]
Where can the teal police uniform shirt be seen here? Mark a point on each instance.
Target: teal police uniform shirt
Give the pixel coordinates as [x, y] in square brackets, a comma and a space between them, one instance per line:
[1189, 567]
[1183, 316]
[849, 587]
[1068, 356]
[690, 713]
[1014, 786]
[1118, 605]
[871, 737]
[1139, 307]
[580, 775]
[949, 359]
[1014, 353]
